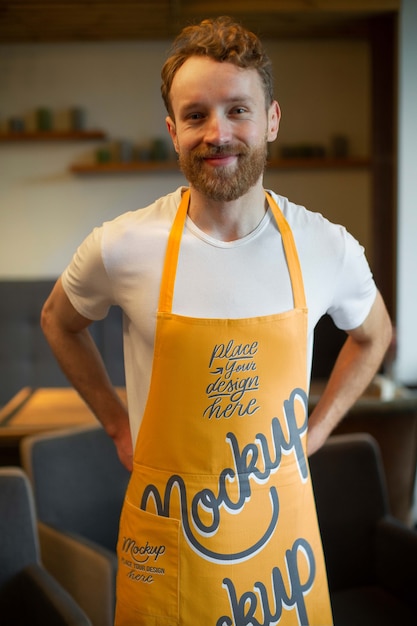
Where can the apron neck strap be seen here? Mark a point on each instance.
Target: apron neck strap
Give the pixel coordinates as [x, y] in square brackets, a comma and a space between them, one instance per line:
[291, 254]
[166, 295]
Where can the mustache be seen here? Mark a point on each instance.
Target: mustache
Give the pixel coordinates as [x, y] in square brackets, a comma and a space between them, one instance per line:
[204, 152]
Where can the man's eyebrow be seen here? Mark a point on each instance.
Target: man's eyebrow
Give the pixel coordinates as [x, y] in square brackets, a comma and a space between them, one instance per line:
[191, 106]
[199, 104]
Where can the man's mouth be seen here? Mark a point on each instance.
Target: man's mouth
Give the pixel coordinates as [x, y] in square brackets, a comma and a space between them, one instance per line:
[220, 159]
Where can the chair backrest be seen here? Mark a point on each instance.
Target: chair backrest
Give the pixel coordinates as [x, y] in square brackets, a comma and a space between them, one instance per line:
[19, 545]
[351, 496]
[78, 482]
[26, 359]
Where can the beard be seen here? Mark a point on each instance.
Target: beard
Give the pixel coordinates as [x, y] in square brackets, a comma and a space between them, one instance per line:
[224, 183]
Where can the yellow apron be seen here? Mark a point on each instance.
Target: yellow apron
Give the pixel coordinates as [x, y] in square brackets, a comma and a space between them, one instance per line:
[219, 526]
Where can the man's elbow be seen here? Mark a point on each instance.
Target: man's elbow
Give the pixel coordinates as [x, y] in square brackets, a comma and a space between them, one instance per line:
[54, 316]
[388, 332]
[385, 334]
[47, 319]
[376, 332]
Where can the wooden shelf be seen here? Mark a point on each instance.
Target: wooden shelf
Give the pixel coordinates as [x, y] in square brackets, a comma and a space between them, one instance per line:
[318, 163]
[274, 164]
[125, 168]
[53, 135]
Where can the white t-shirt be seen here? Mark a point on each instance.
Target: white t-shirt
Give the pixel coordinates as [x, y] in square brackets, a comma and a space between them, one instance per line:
[121, 263]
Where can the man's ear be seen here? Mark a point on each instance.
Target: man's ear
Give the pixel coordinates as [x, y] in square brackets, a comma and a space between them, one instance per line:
[172, 131]
[274, 116]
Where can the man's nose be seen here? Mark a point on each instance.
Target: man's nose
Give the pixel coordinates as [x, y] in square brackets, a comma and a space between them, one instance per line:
[217, 130]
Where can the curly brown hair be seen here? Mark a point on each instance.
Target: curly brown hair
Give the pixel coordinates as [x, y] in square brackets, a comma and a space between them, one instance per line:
[221, 39]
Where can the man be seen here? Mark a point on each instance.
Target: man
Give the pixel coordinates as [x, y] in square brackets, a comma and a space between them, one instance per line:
[221, 286]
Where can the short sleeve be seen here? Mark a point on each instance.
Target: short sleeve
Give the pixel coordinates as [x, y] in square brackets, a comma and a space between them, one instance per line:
[355, 288]
[86, 281]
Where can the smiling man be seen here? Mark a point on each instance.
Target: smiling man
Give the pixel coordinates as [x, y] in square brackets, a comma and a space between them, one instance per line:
[220, 127]
[221, 286]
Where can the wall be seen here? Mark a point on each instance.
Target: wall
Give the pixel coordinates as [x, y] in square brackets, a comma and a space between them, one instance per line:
[45, 211]
[407, 197]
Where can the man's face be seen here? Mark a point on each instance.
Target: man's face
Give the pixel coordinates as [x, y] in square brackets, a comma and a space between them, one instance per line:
[221, 126]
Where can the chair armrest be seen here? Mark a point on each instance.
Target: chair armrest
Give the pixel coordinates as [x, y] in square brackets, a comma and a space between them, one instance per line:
[87, 571]
[34, 597]
[396, 559]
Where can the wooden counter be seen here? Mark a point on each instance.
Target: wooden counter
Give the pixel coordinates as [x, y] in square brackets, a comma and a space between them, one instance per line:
[38, 410]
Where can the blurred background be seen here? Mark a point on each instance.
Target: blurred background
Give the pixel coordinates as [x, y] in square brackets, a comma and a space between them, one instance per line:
[345, 80]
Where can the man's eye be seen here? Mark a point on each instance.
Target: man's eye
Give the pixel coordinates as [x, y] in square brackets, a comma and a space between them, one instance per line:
[195, 116]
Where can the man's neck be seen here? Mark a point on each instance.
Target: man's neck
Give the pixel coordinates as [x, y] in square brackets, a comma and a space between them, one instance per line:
[228, 221]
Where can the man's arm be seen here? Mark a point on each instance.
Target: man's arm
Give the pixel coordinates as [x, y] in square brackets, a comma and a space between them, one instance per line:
[355, 367]
[67, 333]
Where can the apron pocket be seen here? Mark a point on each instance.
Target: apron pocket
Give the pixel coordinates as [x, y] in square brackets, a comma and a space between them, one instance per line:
[148, 563]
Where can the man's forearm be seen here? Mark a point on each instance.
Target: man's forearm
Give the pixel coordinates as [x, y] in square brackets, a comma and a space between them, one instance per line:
[356, 365]
[69, 338]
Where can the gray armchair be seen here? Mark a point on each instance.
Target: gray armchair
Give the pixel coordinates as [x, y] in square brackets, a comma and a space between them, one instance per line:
[79, 485]
[371, 557]
[28, 593]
